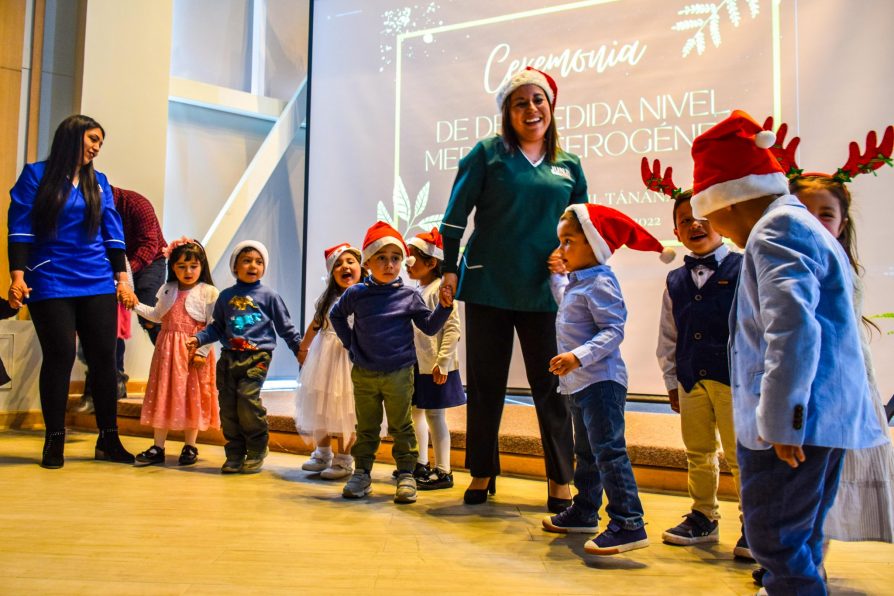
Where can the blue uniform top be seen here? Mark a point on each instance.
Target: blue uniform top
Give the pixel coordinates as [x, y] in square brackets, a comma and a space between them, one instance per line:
[70, 264]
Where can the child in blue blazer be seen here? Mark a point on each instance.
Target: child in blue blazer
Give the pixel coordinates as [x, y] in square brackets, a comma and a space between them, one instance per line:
[795, 357]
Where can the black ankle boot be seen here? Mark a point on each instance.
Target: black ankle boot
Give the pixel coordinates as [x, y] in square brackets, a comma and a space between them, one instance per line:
[53, 448]
[109, 447]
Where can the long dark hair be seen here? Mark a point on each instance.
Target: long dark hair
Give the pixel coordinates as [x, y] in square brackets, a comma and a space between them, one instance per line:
[332, 292]
[190, 251]
[510, 138]
[66, 155]
[848, 236]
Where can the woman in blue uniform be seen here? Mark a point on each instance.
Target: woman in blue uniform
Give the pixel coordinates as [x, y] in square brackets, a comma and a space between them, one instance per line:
[519, 184]
[66, 250]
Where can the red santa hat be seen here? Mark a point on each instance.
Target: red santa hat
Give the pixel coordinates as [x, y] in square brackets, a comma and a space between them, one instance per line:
[528, 76]
[379, 236]
[733, 163]
[608, 229]
[429, 243]
[332, 254]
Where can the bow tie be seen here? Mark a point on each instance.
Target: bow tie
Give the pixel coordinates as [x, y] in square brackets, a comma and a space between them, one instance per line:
[692, 262]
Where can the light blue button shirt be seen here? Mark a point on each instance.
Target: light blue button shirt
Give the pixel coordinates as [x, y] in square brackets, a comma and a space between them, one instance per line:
[590, 325]
[797, 370]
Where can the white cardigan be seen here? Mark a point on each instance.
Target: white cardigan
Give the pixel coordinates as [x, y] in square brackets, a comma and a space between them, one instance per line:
[199, 305]
[441, 348]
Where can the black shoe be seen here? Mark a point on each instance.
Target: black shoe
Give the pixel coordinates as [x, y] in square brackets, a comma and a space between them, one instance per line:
[420, 472]
[109, 448]
[188, 456]
[741, 550]
[479, 496]
[86, 405]
[122, 385]
[233, 466]
[695, 528]
[153, 456]
[758, 576]
[440, 480]
[53, 449]
[557, 505]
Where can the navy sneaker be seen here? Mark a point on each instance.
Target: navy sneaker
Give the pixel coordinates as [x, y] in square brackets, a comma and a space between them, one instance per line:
[571, 521]
[616, 540]
[741, 551]
[695, 528]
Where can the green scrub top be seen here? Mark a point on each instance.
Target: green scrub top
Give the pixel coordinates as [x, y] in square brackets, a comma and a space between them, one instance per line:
[517, 208]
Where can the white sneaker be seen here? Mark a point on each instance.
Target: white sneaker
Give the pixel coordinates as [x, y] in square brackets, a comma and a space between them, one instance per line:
[406, 489]
[318, 461]
[342, 466]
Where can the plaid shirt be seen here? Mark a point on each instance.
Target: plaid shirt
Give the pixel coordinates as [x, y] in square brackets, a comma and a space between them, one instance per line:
[142, 233]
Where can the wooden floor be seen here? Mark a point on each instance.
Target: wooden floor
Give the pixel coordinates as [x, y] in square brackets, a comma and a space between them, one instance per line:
[100, 528]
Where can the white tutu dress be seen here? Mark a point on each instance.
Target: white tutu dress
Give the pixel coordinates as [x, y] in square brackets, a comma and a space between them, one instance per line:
[324, 402]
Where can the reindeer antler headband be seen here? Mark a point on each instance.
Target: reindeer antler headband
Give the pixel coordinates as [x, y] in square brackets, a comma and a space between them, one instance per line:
[655, 181]
[876, 155]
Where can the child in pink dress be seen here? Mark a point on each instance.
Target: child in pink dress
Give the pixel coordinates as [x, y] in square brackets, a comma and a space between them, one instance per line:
[181, 394]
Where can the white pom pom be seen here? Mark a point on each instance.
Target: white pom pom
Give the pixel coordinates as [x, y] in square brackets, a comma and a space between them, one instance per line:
[410, 261]
[667, 255]
[765, 139]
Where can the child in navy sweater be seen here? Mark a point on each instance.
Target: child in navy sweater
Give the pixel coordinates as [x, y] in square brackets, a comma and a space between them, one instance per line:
[247, 318]
[382, 350]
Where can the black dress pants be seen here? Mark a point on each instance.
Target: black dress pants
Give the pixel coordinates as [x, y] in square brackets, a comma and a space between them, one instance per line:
[95, 320]
[488, 353]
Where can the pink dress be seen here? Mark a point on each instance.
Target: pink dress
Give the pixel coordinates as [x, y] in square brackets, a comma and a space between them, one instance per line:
[179, 396]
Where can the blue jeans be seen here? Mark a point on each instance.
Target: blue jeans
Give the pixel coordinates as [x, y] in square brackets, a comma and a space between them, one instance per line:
[600, 451]
[784, 511]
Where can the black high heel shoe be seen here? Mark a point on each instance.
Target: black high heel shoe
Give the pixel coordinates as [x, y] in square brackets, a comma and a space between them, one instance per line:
[53, 449]
[109, 448]
[557, 504]
[478, 496]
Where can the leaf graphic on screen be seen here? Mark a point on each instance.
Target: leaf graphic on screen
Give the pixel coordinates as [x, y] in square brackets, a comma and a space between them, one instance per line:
[383, 215]
[401, 202]
[707, 14]
[421, 201]
[432, 221]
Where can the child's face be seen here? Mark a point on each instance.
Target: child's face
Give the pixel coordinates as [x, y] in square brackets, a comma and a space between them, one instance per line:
[346, 270]
[727, 223]
[574, 250]
[187, 272]
[385, 264]
[695, 234]
[826, 207]
[249, 266]
[420, 270]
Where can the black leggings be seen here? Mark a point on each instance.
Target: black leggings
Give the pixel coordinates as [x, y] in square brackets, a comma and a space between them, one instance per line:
[95, 320]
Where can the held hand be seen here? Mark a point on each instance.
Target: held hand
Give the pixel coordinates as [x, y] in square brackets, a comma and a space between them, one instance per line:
[445, 296]
[563, 364]
[126, 296]
[198, 361]
[439, 377]
[450, 280]
[18, 292]
[674, 396]
[554, 262]
[192, 344]
[793, 455]
[301, 354]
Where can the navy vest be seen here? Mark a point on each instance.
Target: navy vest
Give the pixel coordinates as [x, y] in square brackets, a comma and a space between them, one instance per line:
[702, 319]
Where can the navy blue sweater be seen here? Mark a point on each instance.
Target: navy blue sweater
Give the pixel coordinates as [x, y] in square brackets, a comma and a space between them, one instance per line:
[248, 317]
[382, 336]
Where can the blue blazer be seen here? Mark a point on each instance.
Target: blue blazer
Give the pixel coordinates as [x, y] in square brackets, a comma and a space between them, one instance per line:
[797, 369]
